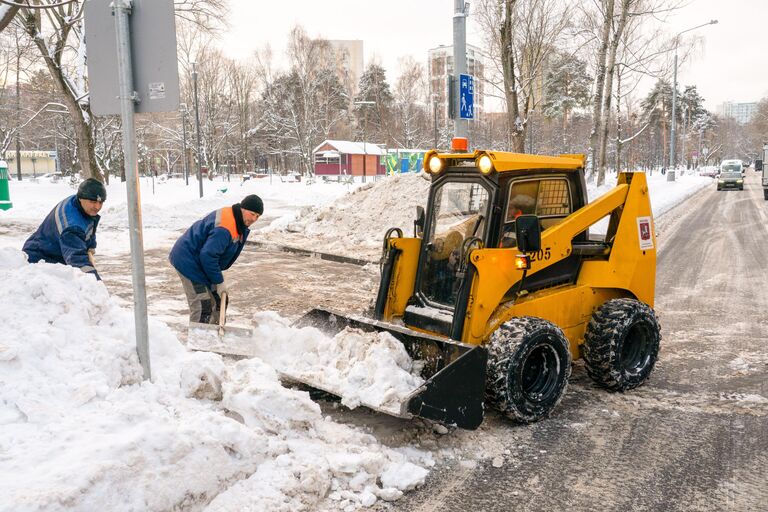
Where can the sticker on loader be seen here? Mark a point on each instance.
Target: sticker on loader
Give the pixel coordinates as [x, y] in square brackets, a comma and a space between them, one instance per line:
[644, 233]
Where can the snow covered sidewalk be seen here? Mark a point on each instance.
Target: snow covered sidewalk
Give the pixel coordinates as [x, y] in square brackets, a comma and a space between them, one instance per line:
[79, 430]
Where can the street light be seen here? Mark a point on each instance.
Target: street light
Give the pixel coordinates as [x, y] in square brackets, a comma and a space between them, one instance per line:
[672, 162]
[365, 134]
[185, 156]
[197, 124]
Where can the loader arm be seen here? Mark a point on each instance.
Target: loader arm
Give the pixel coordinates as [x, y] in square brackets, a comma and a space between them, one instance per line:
[496, 272]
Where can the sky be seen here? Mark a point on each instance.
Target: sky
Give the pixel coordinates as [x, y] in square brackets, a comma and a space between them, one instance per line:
[728, 64]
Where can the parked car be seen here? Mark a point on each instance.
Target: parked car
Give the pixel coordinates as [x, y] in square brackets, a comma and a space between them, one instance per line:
[730, 179]
[709, 170]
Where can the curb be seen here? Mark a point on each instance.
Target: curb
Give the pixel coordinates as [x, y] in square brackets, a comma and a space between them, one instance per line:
[311, 254]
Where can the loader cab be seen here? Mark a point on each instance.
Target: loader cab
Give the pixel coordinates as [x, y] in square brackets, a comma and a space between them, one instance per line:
[459, 210]
[471, 209]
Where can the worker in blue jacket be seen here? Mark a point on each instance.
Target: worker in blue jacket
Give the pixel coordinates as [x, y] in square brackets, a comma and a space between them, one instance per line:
[68, 233]
[210, 246]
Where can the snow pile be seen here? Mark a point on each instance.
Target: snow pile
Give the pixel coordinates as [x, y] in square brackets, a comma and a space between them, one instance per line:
[354, 225]
[368, 368]
[79, 430]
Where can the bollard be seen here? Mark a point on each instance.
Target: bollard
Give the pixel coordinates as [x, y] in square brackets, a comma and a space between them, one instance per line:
[5, 195]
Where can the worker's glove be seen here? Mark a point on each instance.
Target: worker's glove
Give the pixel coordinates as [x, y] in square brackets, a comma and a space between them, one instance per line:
[220, 288]
[91, 257]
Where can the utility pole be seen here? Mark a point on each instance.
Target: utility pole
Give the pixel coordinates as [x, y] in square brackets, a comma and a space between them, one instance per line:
[197, 125]
[461, 127]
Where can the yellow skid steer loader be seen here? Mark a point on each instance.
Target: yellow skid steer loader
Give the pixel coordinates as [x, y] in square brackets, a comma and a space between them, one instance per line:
[502, 286]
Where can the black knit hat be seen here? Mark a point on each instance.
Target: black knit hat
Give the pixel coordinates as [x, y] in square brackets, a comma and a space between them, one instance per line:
[252, 203]
[92, 189]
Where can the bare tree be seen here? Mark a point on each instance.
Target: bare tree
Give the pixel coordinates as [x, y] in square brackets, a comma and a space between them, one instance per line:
[520, 38]
[410, 94]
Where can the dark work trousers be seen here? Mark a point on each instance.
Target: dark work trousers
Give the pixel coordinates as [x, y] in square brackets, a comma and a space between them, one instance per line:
[203, 302]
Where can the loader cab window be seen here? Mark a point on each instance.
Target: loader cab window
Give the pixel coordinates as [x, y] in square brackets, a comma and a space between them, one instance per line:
[548, 198]
[460, 211]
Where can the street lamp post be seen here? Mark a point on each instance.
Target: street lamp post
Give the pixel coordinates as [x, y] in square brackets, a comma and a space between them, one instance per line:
[672, 160]
[197, 124]
[365, 135]
[185, 156]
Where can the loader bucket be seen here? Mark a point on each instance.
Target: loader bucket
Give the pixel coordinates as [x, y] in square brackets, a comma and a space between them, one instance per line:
[454, 372]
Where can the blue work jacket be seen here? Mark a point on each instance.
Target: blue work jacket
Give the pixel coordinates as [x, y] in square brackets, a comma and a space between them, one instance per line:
[210, 246]
[65, 236]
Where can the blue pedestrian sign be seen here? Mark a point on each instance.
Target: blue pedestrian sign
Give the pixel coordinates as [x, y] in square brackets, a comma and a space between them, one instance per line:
[466, 97]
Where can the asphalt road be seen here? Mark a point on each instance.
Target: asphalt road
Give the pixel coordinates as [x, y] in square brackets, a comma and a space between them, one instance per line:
[695, 437]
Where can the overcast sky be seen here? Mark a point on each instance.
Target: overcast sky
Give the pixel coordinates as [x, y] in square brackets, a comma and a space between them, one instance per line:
[731, 63]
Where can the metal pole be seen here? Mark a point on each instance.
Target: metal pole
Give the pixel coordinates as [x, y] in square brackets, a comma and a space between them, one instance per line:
[197, 125]
[127, 97]
[184, 142]
[434, 104]
[672, 163]
[460, 63]
[365, 146]
[18, 129]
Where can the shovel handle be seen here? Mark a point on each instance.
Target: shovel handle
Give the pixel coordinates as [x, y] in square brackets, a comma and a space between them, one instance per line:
[223, 311]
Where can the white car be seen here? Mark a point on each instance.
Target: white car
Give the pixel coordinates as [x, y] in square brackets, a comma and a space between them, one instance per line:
[732, 166]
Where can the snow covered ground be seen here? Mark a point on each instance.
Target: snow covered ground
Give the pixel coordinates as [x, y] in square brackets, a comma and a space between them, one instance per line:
[79, 430]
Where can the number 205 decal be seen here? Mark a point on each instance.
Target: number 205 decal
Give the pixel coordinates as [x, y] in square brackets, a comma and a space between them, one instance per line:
[541, 255]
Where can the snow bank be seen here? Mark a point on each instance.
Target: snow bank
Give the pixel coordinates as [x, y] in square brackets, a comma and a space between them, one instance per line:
[168, 206]
[79, 430]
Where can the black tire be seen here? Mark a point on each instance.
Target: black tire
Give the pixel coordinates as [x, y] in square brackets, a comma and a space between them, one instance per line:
[765, 193]
[621, 344]
[528, 368]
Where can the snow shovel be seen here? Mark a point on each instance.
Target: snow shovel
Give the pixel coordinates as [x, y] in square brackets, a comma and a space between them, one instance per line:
[220, 338]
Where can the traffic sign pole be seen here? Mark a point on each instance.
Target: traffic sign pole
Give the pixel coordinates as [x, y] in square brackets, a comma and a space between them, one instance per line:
[127, 99]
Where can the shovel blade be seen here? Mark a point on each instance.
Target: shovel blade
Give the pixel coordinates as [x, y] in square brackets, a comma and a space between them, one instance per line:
[228, 340]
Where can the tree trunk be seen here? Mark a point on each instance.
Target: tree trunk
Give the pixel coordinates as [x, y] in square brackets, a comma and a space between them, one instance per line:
[610, 68]
[618, 122]
[597, 103]
[78, 114]
[516, 124]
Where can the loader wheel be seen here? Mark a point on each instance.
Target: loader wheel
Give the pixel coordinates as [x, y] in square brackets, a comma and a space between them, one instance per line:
[621, 344]
[528, 367]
